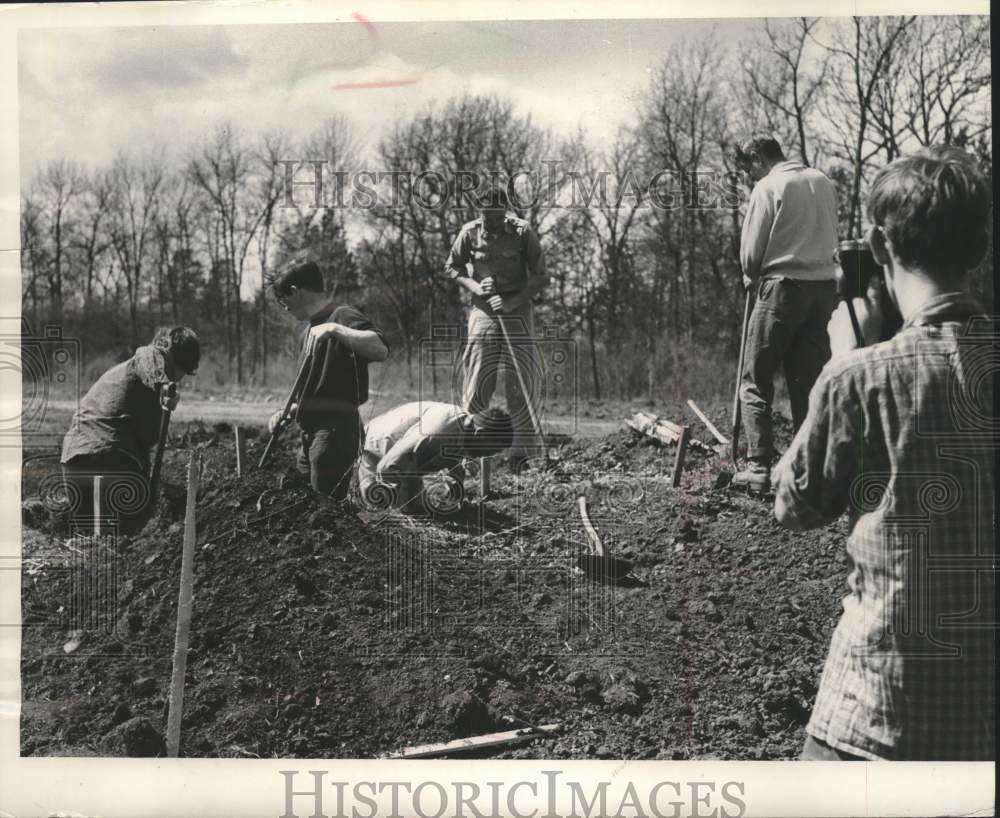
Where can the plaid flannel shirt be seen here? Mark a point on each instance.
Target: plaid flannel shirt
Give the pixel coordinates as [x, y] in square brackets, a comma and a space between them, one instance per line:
[902, 434]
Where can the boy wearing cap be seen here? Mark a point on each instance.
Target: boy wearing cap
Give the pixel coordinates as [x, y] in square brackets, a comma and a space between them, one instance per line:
[343, 342]
[902, 435]
[507, 272]
[118, 423]
[419, 438]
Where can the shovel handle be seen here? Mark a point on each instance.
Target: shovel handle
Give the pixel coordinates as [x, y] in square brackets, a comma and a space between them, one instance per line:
[154, 474]
[528, 396]
[293, 396]
[737, 420]
[581, 503]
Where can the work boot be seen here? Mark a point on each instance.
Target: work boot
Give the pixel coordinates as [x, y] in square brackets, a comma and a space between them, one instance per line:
[755, 478]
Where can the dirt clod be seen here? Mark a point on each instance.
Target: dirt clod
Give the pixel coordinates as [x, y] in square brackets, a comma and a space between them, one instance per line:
[135, 738]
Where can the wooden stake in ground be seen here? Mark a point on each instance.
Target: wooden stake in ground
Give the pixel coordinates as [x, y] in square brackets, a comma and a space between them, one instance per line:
[97, 505]
[682, 443]
[485, 468]
[176, 707]
[708, 424]
[241, 453]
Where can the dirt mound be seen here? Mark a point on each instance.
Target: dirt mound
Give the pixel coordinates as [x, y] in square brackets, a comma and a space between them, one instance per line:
[321, 633]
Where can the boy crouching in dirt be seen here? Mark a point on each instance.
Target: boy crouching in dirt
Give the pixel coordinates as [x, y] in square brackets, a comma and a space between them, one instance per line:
[901, 434]
[419, 438]
[118, 423]
[343, 342]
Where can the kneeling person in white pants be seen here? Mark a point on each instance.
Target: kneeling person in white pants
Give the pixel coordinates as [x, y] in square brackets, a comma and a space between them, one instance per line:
[420, 438]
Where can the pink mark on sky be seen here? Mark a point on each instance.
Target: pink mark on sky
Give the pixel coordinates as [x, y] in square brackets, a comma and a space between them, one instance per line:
[353, 86]
[356, 86]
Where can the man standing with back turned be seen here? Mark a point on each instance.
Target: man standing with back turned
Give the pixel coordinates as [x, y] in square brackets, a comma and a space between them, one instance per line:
[787, 253]
[508, 270]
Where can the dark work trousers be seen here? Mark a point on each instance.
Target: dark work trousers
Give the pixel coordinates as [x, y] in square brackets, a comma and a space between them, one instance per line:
[787, 330]
[124, 492]
[328, 454]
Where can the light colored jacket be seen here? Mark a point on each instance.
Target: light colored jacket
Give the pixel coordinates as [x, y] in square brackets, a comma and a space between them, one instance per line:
[790, 227]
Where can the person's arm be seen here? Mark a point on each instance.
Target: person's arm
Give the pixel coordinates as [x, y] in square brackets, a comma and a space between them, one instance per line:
[812, 480]
[399, 460]
[458, 259]
[355, 332]
[756, 230]
[538, 278]
[365, 343]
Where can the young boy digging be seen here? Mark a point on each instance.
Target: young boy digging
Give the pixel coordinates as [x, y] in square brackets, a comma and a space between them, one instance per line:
[901, 434]
[343, 342]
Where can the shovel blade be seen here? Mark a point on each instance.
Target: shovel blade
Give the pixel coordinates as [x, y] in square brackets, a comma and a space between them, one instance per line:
[603, 568]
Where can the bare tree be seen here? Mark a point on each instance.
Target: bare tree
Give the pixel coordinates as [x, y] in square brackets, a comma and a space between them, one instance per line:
[60, 185]
[943, 85]
[778, 71]
[94, 239]
[270, 152]
[862, 53]
[222, 169]
[33, 253]
[135, 202]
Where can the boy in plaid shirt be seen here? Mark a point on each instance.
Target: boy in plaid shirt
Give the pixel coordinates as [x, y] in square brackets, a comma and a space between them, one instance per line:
[902, 434]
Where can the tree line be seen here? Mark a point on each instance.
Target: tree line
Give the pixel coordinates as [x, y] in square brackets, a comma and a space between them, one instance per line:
[193, 237]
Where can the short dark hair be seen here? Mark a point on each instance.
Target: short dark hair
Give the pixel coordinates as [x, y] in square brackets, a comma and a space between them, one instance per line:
[761, 144]
[495, 197]
[934, 207]
[494, 431]
[183, 345]
[305, 275]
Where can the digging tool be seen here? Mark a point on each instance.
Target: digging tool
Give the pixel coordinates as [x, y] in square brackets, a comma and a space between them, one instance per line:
[524, 391]
[170, 391]
[286, 412]
[600, 565]
[739, 375]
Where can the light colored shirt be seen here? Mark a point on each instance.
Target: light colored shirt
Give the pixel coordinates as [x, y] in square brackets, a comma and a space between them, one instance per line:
[510, 256]
[790, 228]
[901, 434]
[416, 438]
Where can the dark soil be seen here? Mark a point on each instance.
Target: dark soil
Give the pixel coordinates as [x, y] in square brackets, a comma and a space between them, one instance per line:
[319, 632]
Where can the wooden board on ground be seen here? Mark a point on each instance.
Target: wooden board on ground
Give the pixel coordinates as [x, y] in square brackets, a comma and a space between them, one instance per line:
[473, 742]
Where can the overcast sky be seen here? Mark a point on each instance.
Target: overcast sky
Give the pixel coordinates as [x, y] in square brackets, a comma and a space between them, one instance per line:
[85, 93]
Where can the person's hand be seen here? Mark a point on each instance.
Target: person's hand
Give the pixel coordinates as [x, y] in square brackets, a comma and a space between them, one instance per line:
[487, 287]
[274, 422]
[870, 318]
[321, 331]
[497, 303]
[747, 282]
[169, 396]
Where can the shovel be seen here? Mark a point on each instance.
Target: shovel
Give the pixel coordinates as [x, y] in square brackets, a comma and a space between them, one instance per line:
[599, 566]
[286, 412]
[739, 377]
[161, 442]
[528, 396]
